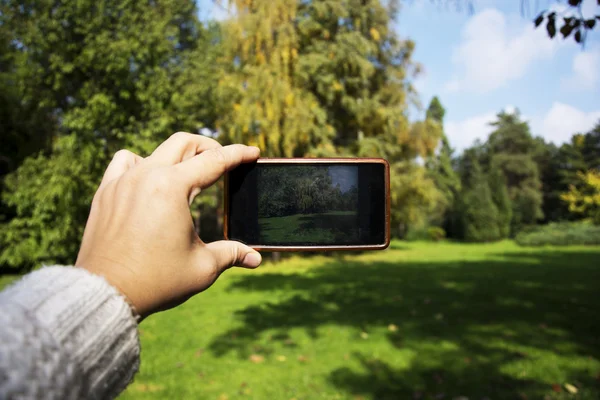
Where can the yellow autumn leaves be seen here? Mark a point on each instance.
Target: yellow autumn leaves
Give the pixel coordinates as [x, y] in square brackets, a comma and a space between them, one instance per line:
[584, 198]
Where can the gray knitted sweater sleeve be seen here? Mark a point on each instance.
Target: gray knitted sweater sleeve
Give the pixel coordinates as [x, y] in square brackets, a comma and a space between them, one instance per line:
[65, 334]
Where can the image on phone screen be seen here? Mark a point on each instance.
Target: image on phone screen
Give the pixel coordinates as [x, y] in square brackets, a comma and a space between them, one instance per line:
[308, 204]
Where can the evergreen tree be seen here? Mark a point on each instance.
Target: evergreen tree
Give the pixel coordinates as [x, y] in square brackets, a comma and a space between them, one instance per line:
[497, 183]
[478, 213]
[441, 169]
[511, 148]
[591, 148]
[436, 111]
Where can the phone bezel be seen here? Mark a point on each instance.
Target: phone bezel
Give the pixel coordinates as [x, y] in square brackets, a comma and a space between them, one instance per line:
[319, 161]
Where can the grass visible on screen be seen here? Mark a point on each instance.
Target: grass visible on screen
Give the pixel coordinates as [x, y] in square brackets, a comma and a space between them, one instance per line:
[335, 226]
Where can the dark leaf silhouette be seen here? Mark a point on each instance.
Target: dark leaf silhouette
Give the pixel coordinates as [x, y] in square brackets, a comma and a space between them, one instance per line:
[590, 23]
[551, 26]
[539, 19]
[566, 29]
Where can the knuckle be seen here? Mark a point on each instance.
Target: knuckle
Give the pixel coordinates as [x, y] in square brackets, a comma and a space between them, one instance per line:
[235, 255]
[219, 156]
[122, 154]
[180, 136]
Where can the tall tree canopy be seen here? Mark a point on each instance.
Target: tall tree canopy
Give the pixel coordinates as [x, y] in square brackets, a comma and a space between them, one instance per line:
[324, 78]
[441, 168]
[510, 148]
[106, 74]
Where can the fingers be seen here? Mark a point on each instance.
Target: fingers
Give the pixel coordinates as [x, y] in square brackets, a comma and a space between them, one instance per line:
[181, 146]
[228, 253]
[205, 169]
[122, 161]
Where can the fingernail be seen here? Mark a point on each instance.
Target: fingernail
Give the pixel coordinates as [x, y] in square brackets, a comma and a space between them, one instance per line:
[252, 260]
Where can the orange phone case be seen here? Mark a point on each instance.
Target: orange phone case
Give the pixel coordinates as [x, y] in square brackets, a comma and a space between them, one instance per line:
[320, 161]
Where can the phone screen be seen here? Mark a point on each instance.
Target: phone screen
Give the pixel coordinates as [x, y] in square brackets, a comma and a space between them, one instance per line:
[308, 204]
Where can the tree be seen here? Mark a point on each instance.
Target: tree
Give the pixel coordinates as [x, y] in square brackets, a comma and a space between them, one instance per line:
[108, 75]
[584, 198]
[436, 111]
[25, 128]
[262, 104]
[478, 213]
[510, 148]
[501, 199]
[561, 167]
[441, 169]
[323, 79]
[590, 148]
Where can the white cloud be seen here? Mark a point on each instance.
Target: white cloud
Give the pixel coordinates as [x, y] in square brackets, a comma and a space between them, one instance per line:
[491, 54]
[562, 121]
[462, 134]
[586, 71]
[557, 125]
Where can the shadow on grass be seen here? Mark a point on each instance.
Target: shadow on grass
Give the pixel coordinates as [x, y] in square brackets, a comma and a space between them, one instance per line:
[464, 322]
[329, 227]
[340, 225]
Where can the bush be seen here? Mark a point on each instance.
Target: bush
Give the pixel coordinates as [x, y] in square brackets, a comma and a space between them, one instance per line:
[435, 233]
[560, 234]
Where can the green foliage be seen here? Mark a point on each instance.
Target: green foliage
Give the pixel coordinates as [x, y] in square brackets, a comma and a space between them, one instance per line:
[436, 110]
[441, 169]
[560, 234]
[435, 233]
[104, 75]
[509, 156]
[301, 190]
[511, 149]
[500, 197]
[426, 233]
[414, 197]
[479, 214]
[51, 197]
[327, 79]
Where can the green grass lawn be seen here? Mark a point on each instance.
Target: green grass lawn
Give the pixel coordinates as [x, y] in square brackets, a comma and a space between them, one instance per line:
[335, 226]
[417, 321]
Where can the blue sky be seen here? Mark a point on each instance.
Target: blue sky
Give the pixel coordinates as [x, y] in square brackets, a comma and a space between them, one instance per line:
[493, 59]
[344, 175]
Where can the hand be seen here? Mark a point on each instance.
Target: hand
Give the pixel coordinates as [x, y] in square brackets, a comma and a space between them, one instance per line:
[140, 235]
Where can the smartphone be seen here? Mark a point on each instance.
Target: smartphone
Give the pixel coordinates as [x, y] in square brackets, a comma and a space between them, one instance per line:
[304, 204]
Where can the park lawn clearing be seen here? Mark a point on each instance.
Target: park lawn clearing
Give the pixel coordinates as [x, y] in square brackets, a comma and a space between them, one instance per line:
[419, 320]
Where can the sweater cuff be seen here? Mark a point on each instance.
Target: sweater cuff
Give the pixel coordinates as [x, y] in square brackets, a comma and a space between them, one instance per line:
[90, 320]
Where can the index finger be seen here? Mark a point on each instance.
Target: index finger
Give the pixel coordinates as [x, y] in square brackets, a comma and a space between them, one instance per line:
[203, 170]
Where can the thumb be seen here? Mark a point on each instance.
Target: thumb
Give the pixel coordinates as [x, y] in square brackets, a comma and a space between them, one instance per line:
[228, 253]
